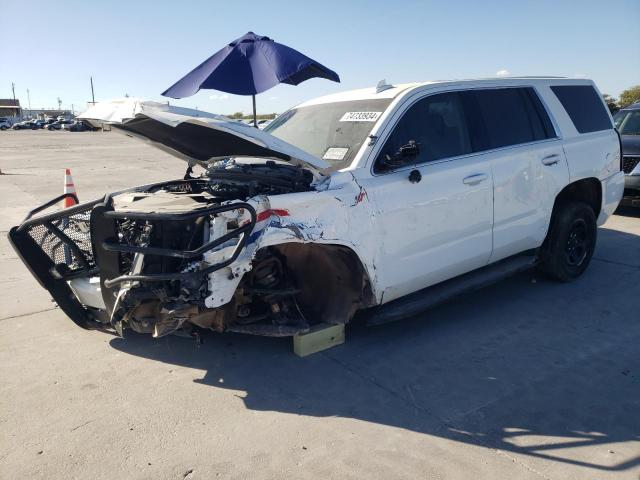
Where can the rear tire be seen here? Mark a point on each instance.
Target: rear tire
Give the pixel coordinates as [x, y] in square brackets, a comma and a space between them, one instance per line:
[570, 242]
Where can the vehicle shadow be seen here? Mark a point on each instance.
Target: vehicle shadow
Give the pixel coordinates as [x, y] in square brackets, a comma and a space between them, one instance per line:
[529, 366]
[626, 211]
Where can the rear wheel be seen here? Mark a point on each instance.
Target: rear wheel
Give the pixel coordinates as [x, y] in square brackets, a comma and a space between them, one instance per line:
[570, 242]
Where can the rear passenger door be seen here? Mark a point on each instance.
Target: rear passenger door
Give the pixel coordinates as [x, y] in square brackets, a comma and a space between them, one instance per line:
[528, 164]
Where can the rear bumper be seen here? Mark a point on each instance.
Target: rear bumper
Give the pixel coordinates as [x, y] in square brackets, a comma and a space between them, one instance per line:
[612, 191]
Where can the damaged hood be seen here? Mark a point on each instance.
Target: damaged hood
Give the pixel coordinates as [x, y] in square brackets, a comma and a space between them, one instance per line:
[195, 136]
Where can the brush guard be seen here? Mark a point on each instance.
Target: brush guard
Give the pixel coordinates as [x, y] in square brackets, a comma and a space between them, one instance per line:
[56, 247]
[79, 242]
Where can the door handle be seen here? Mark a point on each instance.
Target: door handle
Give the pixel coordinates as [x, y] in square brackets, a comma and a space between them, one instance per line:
[551, 159]
[474, 179]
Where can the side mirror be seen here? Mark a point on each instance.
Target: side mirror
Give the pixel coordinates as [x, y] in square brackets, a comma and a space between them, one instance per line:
[404, 154]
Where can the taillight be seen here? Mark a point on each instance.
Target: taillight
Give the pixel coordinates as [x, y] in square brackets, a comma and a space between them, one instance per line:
[620, 143]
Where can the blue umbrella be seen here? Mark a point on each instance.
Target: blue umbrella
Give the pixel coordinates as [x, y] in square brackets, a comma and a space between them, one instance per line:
[248, 66]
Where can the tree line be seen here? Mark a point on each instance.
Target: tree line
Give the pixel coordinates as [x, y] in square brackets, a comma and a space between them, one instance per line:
[260, 116]
[629, 96]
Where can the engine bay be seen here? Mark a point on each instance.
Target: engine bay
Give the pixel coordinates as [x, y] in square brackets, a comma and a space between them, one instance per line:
[164, 237]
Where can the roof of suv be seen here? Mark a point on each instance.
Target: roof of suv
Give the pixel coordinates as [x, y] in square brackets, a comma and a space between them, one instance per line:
[633, 106]
[391, 91]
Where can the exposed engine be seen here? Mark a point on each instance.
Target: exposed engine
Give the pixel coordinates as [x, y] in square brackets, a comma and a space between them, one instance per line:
[162, 234]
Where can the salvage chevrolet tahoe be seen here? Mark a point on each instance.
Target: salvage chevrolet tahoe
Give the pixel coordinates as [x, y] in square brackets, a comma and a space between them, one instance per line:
[384, 200]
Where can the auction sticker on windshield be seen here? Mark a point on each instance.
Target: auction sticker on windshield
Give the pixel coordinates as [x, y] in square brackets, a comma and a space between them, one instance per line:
[360, 116]
[335, 153]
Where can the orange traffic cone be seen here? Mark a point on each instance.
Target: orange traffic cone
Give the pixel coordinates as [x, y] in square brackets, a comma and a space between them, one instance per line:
[69, 187]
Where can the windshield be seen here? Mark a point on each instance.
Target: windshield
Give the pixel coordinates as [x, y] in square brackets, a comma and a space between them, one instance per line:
[627, 122]
[331, 131]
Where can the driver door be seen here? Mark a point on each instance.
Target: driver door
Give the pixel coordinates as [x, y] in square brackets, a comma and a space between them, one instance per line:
[433, 199]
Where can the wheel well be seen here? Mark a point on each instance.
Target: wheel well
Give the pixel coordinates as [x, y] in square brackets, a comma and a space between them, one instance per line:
[333, 282]
[587, 190]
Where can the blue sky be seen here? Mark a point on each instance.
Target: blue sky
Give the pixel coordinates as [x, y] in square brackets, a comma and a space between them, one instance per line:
[142, 47]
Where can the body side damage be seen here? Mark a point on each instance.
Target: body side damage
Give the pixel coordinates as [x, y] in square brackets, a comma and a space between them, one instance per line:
[321, 239]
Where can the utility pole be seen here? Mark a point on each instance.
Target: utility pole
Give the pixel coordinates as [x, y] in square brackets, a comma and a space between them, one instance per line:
[93, 97]
[19, 111]
[73, 110]
[29, 101]
[59, 104]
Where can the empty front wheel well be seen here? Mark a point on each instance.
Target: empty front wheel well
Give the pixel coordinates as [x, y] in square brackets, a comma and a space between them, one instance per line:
[332, 281]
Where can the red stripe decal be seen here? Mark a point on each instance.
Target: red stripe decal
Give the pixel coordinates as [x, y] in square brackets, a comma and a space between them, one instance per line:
[278, 212]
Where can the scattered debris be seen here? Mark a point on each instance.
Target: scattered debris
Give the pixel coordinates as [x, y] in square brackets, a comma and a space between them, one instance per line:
[188, 473]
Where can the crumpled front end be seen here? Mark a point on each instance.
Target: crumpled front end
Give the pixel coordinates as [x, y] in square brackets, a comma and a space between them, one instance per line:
[171, 256]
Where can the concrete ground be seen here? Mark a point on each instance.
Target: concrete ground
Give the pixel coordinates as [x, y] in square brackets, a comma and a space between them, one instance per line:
[527, 379]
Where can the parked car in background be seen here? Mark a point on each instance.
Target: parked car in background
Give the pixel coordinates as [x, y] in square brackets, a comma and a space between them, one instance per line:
[77, 126]
[24, 125]
[368, 199]
[627, 121]
[57, 125]
[5, 123]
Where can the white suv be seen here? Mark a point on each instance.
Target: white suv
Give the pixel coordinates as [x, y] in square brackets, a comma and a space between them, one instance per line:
[395, 197]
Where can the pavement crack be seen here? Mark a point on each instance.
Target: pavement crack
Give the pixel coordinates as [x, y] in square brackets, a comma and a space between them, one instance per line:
[27, 314]
[82, 425]
[523, 465]
[390, 391]
[613, 262]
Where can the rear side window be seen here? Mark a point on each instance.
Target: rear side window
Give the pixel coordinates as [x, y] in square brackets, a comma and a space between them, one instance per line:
[511, 116]
[584, 106]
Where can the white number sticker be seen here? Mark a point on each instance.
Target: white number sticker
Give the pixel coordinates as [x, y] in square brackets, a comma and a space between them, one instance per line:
[360, 116]
[335, 153]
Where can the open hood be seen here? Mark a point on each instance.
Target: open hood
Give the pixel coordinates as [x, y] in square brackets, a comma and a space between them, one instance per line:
[195, 136]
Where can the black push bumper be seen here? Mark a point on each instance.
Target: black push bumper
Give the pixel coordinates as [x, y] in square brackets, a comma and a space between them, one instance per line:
[57, 248]
[81, 241]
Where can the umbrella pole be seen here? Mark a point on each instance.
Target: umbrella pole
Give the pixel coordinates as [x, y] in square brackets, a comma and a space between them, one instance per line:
[255, 121]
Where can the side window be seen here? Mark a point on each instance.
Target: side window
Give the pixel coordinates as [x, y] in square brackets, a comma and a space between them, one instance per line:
[540, 121]
[438, 127]
[584, 106]
[511, 116]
